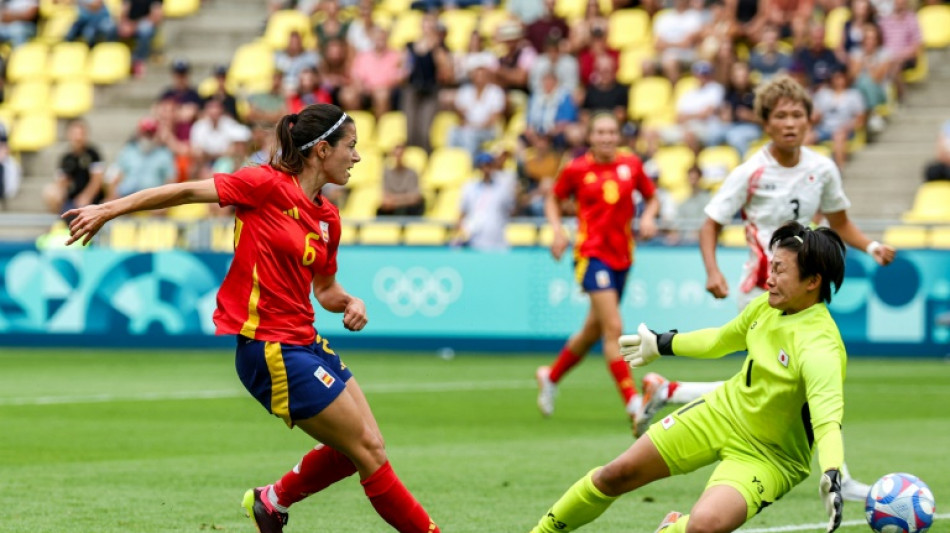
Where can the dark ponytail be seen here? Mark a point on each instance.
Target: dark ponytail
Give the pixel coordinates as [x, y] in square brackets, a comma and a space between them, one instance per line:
[298, 130]
[820, 251]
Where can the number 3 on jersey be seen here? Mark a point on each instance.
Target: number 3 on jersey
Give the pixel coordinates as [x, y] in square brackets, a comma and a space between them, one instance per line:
[309, 252]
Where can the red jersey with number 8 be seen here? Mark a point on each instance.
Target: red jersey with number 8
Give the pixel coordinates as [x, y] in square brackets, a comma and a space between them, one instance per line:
[605, 207]
[282, 239]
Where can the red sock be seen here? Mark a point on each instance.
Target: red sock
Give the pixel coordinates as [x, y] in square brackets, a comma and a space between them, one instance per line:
[566, 360]
[671, 388]
[393, 501]
[621, 373]
[320, 468]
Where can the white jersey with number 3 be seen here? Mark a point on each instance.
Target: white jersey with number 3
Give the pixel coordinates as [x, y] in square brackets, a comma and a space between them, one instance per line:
[769, 195]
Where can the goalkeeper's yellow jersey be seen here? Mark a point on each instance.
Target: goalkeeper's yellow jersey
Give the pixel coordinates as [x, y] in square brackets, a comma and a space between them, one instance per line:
[789, 394]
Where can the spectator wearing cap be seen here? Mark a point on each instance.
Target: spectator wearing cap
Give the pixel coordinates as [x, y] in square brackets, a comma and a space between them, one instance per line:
[429, 67]
[518, 57]
[213, 133]
[596, 47]
[294, 60]
[742, 126]
[10, 173]
[401, 193]
[549, 24]
[268, 107]
[698, 121]
[79, 177]
[816, 60]
[486, 206]
[375, 77]
[767, 59]
[93, 23]
[554, 59]
[221, 92]
[837, 112]
[140, 20]
[18, 20]
[181, 91]
[677, 33]
[143, 162]
[481, 105]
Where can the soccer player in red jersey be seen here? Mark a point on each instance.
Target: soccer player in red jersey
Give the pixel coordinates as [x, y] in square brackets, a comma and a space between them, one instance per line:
[286, 237]
[602, 183]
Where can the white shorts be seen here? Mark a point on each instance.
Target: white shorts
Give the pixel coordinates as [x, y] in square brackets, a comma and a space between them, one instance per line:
[745, 298]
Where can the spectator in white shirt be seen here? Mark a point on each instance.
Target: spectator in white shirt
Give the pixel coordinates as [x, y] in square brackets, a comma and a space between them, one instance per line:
[487, 205]
[677, 33]
[480, 104]
[838, 112]
[295, 60]
[698, 121]
[213, 133]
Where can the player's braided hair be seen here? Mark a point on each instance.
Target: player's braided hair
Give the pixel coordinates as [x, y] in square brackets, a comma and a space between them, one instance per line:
[300, 129]
[820, 252]
[780, 87]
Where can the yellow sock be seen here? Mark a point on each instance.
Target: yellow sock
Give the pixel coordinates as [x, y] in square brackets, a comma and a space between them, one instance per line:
[582, 503]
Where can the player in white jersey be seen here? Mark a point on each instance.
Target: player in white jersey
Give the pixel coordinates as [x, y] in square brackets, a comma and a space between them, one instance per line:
[783, 181]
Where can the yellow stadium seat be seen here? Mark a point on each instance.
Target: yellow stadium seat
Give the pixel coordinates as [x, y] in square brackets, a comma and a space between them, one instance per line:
[415, 158]
[28, 62]
[755, 146]
[834, 26]
[516, 125]
[72, 98]
[570, 9]
[424, 234]
[934, 23]
[683, 86]
[109, 63]
[673, 162]
[180, 8]
[931, 203]
[733, 236]
[940, 237]
[6, 117]
[188, 212]
[29, 97]
[920, 72]
[252, 62]
[68, 61]
[222, 237]
[628, 28]
[369, 171]
[156, 235]
[362, 203]
[284, 22]
[490, 20]
[546, 235]
[393, 7]
[123, 235]
[365, 123]
[630, 68]
[649, 96]
[380, 233]
[391, 130]
[447, 205]
[347, 233]
[460, 24]
[447, 167]
[51, 7]
[441, 126]
[717, 161]
[53, 28]
[906, 236]
[821, 149]
[406, 29]
[33, 132]
[521, 234]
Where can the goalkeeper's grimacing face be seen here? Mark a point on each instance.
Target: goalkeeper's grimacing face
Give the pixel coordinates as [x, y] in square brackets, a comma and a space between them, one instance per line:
[788, 292]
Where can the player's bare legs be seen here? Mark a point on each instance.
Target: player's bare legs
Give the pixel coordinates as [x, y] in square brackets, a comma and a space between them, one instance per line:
[720, 509]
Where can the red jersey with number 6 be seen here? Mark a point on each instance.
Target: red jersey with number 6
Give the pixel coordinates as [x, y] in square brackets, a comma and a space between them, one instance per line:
[605, 207]
[282, 239]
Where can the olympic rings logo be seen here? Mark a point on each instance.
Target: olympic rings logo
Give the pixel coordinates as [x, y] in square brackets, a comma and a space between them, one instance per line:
[417, 290]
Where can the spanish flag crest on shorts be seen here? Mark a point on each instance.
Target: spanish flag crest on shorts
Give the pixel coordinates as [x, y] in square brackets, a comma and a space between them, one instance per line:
[324, 376]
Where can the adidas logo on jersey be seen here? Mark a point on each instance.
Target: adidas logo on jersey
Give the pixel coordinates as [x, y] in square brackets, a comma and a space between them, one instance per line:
[292, 212]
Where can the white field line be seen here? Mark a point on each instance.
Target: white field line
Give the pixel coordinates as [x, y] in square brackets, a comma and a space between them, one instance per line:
[382, 388]
[818, 526]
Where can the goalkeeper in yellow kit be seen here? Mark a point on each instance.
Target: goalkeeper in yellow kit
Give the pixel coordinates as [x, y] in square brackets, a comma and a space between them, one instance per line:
[761, 425]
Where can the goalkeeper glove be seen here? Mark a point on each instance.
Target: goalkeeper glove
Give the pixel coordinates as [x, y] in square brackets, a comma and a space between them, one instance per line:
[644, 347]
[830, 491]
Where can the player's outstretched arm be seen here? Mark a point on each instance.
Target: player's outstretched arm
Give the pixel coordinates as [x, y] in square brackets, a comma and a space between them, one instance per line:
[335, 299]
[708, 239]
[854, 237]
[90, 219]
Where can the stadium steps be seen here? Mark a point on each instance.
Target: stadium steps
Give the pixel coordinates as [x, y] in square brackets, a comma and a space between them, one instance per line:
[882, 178]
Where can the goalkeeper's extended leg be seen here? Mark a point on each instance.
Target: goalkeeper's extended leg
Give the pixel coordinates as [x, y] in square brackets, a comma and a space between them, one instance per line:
[581, 504]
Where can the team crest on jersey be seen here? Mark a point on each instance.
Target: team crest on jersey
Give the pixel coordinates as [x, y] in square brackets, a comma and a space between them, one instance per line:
[325, 231]
[783, 358]
[668, 422]
[623, 172]
[325, 377]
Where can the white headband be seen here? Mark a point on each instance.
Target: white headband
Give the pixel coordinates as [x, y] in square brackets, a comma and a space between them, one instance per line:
[799, 239]
[324, 135]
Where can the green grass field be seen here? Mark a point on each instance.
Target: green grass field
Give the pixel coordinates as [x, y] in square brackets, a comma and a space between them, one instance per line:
[128, 441]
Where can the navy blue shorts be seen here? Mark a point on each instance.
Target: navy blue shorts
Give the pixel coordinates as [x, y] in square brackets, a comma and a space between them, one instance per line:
[594, 275]
[292, 382]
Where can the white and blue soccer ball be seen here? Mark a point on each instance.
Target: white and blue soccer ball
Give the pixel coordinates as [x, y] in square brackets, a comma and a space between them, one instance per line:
[900, 503]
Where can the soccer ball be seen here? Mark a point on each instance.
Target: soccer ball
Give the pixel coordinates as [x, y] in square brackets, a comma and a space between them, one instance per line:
[900, 503]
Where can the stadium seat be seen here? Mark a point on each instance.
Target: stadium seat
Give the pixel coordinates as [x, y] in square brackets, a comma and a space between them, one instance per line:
[252, 62]
[29, 97]
[673, 162]
[490, 20]
[424, 234]
[53, 28]
[222, 237]
[407, 28]
[934, 23]
[156, 235]
[931, 203]
[460, 24]
[649, 96]
[284, 22]
[834, 26]
[123, 235]
[180, 8]
[380, 233]
[362, 203]
[391, 130]
[393, 7]
[821, 149]
[628, 28]
[630, 68]
[755, 146]
[683, 86]
[546, 235]
[716, 162]
[68, 61]
[415, 158]
[441, 126]
[447, 167]
[939, 238]
[365, 123]
[521, 234]
[109, 63]
[6, 117]
[347, 233]
[188, 212]
[72, 98]
[733, 236]
[516, 125]
[368, 172]
[446, 206]
[920, 72]
[28, 62]
[903, 237]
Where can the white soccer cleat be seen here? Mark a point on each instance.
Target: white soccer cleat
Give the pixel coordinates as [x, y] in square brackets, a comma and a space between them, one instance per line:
[655, 393]
[547, 390]
[853, 490]
[669, 520]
